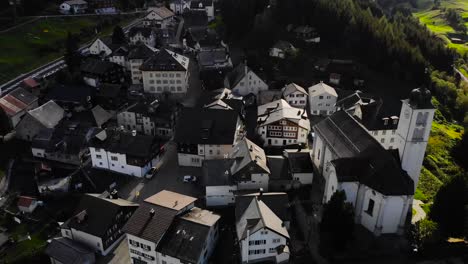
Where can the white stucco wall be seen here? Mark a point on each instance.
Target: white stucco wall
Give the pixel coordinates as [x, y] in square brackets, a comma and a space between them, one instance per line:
[297, 99]
[269, 236]
[190, 160]
[175, 82]
[259, 180]
[324, 106]
[98, 46]
[136, 251]
[220, 195]
[251, 83]
[351, 189]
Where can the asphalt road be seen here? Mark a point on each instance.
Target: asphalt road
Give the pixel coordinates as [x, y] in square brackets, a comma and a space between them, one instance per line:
[169, 177]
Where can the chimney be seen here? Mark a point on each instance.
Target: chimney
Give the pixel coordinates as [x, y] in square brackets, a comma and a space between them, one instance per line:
[114, 194]
[175, 204]
[251, 148]
[152, 212]
[260, 192]
[134, 133]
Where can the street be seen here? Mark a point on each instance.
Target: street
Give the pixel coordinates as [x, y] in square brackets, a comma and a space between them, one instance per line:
[169, 177]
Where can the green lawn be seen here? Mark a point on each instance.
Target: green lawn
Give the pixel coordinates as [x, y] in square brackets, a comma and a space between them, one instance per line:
[435, 22]
[39, 42]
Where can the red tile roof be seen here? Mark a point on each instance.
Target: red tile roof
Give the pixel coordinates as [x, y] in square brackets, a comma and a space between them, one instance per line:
[11, 105]
[25, 201]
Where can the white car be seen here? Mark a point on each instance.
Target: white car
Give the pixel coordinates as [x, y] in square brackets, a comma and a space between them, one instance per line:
[188, 178]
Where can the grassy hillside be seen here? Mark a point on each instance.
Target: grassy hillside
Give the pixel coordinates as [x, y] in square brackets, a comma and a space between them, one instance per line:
[434, 19]
[37, 43]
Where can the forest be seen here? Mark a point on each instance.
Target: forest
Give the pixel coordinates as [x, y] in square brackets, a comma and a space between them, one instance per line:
[394, 44]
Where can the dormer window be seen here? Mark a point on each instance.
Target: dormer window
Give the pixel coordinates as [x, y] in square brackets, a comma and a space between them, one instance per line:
[385, 120]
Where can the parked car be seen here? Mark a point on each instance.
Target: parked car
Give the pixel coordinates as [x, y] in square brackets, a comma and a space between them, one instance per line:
[189, 178]
[153, 171]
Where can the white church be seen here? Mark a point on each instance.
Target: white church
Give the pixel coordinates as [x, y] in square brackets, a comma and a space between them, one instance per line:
[379, 180]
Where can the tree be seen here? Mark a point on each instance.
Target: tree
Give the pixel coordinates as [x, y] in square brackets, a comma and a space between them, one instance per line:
[337, 226]
[118, 36]
[72, 55]
[448, 209]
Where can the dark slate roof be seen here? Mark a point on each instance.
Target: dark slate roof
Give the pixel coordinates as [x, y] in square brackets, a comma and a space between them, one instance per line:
[147, 225]
[100, 214]
[347, 139]
[278, 202]
[162, 61]
[207, 58]
[184, 240]
[96, 66]
[140, 51]
[144, 31]
[236, 75]
[107, 90]
[108, 41]
[70, 93]
[195, 18]
[278, 167]
[300, 162]
[374, 113]
[206, 126]
[120, 51]
[143, 146]
[421, 98]
[67, 137]
[68, 251]
[23, 95]
[216, 172]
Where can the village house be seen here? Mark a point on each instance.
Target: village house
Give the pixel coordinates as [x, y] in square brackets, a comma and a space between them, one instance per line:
[127, 153]
[322, 99]
[95, 72]
[66, 143]
[281, 49]
[178, 6]
[279, 124]
[244, 169]
[159, 17]
[76, 97]
[165, 72]
[102, 6]
[154, 119]
[295, 95]
[202, 38]
[136, 57]
[64, 250]
[103, 46]
[206, 5]
[16, 104]
[27, 204]
[45, 116]
[143, 35]
[31, 85]
[300, 165]
[204, 134]
[73, 7]
[168, 228]
[216, 59]
[307, 33]
[262, 235]
[242, 81]
[98, 221]
[120, 56]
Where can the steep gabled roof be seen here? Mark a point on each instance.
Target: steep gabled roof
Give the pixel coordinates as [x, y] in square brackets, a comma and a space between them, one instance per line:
[258, 216]
[68, 251]
[292, 87]
[272, 107]
[48, 114]
[162, 12]
[141, 51]
[321, 88]
[380, 169]
[17, 101]
[248, 153]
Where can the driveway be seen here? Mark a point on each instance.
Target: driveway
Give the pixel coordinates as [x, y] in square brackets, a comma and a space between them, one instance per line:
[420, 214]
[169, 178]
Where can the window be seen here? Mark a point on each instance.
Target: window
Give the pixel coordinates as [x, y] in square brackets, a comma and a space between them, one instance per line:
[276, 240]
[375, 133]
[393, 132]
[98, 156]
[382, 140]
[370, 207]
[272, 250]
[114, 158]
[384, 132]
[318, 155]
[328, 97]
[177, 75]
[392, 140]
[320, 97]
[151, 81]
